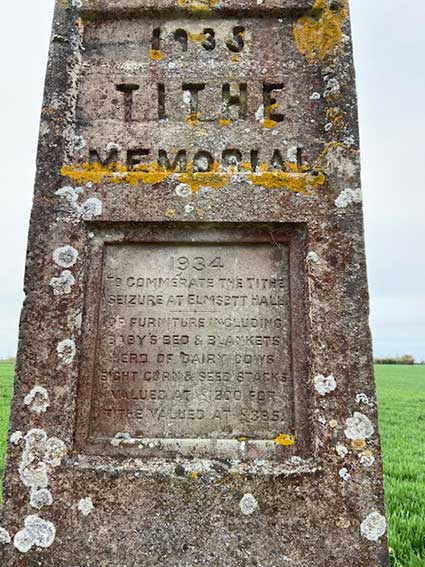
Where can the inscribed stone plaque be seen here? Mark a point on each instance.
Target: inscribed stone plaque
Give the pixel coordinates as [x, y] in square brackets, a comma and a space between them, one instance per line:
[194, 381]
[192, 343]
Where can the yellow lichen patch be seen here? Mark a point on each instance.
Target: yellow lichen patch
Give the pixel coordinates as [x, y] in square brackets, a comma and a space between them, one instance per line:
[197, 5]
[335, 114]
[215, 178]
[246, 166]
[335, 145]
[299, 182]
[319, 33]
[224, 121]
[151, 174]
[197, 37]
[296, 180]
[156, 55]
[193, 119]
[268, 123]
[195, 475]
[343, 523]
[333, 424]
[285, 440]
[170, 213]
[358, 444]
[235, 58]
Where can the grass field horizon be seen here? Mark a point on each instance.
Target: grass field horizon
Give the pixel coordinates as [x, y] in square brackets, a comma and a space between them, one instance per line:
[401, 400]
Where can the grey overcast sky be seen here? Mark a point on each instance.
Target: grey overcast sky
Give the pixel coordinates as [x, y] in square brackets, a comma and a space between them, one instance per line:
[389, 44]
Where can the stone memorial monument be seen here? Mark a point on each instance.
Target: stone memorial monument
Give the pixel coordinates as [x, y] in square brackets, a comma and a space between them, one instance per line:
[194, 381]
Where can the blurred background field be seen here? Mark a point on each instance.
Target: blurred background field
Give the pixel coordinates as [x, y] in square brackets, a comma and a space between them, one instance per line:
[401, 398]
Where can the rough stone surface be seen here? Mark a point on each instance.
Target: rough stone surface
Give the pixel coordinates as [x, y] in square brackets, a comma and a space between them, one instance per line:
[194, 382]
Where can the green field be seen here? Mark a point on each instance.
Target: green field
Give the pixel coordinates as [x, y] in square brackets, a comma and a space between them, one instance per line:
[401, 395]
[6, 384]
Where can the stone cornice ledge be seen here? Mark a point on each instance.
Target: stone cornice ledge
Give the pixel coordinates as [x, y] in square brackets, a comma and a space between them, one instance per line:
[194, 7]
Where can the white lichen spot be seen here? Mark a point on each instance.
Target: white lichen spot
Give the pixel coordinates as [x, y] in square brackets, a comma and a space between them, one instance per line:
[324, 384]
[349, 141]
[328, 127]
[79, 141]
[313, 258]
[332, 88]
[65, 256]
[112, 147]
[367, 459]
[71, 194]
[36, 533]
[91, 208]
[374, 527]
[76, 3]
[292, 154]
[183, 190]
[34, 475]
[362, 399]
[40, 454]
[16, 437]
[189, 209]
[41, 498]
[4, 537]
[358, 427]
[248, 504]
[259, 115]
[66, 350]
[296, 461]
[347, 197]
[54, 451]
[201, 164]
[63, 284]
[120, 438]
[37, 400]
[187, 98]
[315, 96]
[344, 474]
[341, 450]
[86, 506]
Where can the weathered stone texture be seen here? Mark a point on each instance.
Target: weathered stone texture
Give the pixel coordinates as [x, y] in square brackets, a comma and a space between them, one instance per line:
[221, 136]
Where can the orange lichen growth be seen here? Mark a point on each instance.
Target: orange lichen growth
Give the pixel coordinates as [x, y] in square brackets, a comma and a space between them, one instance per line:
[197, 5]
[215, 178]
[296, 181]
[151, 174]
[358, 444]
[170, 213]
[293, 179]
[285, 440]
[193, 118]
[335, 114]
[319, 33]
[197, 37]
[225, 121]
[268, 122]
[156, 55]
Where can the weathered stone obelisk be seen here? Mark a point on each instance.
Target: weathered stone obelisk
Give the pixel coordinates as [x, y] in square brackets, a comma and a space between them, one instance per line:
[195, 381]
